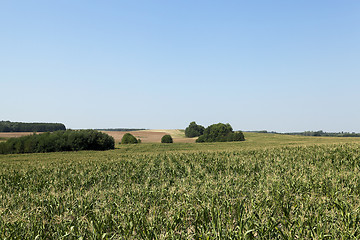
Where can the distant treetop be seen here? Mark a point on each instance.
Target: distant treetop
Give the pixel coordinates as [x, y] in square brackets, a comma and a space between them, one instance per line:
[167, 139]
[128, 138]
[7, 126]
[319, 133]
[194, 130]
[220, 133]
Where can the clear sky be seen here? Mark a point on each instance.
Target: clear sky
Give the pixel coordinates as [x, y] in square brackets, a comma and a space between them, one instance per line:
[274, 65]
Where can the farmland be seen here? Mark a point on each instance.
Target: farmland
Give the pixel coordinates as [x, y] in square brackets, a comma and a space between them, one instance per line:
[146, 136]
[153, 136]
[268, 187]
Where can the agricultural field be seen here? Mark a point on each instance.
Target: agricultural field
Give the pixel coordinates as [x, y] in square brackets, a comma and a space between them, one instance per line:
[7, 135]
[146, 136]
[153, 136]
[268, 187]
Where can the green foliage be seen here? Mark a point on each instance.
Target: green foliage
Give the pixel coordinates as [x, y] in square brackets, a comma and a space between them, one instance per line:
[128, 139]
[58, 141]
[319, 133]
[220, 133]
[166, 139]
[194, 130]
[290, 192]
[7, 126]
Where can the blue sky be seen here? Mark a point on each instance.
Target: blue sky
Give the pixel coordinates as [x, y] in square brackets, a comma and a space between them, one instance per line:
[274, 65]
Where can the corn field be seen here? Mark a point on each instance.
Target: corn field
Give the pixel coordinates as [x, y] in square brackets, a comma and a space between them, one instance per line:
[285, 192]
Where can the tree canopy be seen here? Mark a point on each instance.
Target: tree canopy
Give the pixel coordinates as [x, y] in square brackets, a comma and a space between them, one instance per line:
[194, 130]
[128, 138]
[220, 133]
[59, 141]
[166, 139]
[7, 126]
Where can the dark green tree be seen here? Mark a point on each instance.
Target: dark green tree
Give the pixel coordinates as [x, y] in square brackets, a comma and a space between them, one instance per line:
[128, 139]
[7, 126]
[59, 141]
[194, 130]
[220, 133]
[166, 139]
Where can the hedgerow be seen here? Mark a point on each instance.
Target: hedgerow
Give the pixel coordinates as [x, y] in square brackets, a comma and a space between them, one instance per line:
[59, 141]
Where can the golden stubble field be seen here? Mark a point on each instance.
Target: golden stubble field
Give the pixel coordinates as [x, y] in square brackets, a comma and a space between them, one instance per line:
[153, 136]
[146, 136]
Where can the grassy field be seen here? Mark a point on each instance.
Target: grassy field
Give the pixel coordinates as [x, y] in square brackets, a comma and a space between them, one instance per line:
[268, 187]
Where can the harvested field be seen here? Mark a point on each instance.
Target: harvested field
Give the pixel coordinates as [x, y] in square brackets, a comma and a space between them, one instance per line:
[14, 134]
[146, 136]
[153, 136]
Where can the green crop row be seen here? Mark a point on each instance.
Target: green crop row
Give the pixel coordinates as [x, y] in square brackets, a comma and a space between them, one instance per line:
[290, 192]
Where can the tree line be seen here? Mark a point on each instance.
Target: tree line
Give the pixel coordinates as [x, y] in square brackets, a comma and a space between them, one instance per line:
[325, 134]
[58, 141]
[319, 133]
[7, 126]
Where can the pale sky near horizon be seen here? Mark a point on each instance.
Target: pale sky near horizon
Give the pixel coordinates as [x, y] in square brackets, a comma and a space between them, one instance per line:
[276, 65]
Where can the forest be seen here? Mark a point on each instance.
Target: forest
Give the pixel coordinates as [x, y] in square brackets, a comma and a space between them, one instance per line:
[7, 126]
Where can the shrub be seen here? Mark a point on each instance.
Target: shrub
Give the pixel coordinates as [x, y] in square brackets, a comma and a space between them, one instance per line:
[128, 139]
[59, 141]
[166, 139]
[194, 130]
[220, 133]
